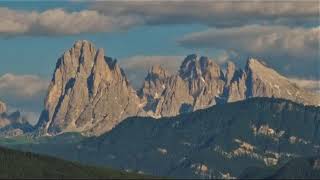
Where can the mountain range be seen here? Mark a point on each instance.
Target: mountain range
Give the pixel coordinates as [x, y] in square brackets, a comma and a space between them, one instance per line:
[90, 93]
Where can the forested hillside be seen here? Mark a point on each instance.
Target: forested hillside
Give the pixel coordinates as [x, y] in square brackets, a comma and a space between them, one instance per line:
[16, 164]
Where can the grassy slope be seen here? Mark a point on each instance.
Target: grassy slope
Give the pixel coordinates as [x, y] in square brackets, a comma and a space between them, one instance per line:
[16, 164]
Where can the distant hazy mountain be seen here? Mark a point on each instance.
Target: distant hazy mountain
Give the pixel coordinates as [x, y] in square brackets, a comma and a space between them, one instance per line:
[219, 142]
[90, 93]
[12, 124]
[21, 165]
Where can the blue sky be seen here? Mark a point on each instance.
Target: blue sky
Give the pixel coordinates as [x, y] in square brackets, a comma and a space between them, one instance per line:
[33, 35]
[38, 54]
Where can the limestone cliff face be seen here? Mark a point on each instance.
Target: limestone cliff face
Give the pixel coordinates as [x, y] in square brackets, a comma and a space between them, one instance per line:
[153, 88]
[200, 83]
[88, 93]
[196, 86]
[235, 87]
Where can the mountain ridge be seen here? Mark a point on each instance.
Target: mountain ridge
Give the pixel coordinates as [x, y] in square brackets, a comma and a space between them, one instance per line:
[216, 142]
[90, 93]
[201, 84]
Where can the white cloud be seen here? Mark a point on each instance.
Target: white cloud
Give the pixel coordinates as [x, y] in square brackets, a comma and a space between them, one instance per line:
[136, 67]
[256, 39]
[25, 93]
[112, 16]
[171, 63]
[31, 116]
[59, 22]
[22, 86]
[293, 51]
[225, 56]
[311, 85]
[216, 13]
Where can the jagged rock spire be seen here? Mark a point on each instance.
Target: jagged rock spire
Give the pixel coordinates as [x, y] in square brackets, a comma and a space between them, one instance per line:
[200, 83]
[89, 93]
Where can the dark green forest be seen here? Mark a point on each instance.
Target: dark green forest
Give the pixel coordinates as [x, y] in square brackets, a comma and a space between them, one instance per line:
[16, 164]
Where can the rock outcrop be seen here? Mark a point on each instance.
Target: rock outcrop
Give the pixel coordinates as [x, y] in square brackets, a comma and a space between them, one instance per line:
[88, 93]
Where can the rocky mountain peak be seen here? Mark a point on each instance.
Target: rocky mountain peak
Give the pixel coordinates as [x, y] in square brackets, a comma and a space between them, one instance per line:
[256, 65]
[154, 85]
[194, 67]
[84, 46]
[190, 67]
[89, 93]
[157, 73]
[263, 81]
[85, 52]
[195, 86]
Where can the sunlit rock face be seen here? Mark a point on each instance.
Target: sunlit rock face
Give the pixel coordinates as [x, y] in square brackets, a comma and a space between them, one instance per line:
[263, 81]
[88, 93]
[195, 86]
[200, 83]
